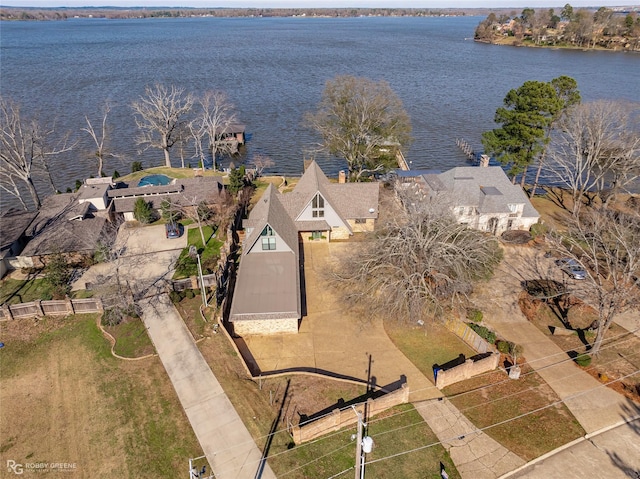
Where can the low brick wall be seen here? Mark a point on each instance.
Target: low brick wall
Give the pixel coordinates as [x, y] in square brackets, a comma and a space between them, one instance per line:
[340, 418]
[36, 309]
[466, 370]
[469, 336]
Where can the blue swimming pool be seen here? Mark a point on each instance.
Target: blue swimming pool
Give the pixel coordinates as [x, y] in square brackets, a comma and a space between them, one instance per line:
[154, 180]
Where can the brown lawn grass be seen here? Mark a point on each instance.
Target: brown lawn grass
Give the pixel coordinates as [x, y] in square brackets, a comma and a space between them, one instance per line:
[64, 398]
[493, 399]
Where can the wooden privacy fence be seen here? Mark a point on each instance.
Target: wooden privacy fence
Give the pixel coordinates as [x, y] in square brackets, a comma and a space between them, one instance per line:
[469, 336]
[63, 307]
[340, 418]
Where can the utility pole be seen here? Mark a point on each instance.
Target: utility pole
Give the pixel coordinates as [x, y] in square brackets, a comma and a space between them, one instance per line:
[358, 444]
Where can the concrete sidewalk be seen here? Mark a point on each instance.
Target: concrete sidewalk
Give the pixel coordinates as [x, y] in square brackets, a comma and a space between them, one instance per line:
[613, 453]
[594, 405]
[225, 440]
[475, 454]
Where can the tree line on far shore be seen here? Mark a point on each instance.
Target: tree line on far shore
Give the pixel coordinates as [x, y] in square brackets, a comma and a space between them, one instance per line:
[579, 28]
[59, 13]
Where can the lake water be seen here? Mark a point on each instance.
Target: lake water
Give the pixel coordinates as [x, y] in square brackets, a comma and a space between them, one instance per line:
[274, 70]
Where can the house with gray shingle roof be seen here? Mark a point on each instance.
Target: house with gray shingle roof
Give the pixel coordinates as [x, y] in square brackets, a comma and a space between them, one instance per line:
[481, 197]
[267, 295]
[181, 191]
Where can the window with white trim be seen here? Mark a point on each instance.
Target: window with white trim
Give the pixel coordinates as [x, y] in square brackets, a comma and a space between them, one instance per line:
[317, 206]
[268, 238]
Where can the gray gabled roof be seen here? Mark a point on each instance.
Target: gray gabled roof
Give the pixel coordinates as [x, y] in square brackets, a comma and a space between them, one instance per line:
[181, 191]
[13, 225]
[268, 283]
[270, 211]
[486, 188]
[349, 200]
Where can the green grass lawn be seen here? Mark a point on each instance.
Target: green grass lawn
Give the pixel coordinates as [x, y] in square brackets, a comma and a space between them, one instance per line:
[209, 253]
[13, 291]
[111, 417]
[132, 340]
[427, 345]
[394, 432]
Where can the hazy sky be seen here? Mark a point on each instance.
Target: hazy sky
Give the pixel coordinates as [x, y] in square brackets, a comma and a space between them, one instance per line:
[517, 4]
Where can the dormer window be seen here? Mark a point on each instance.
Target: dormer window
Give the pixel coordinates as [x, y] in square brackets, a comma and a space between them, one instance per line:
[317, 206]
[268, 238]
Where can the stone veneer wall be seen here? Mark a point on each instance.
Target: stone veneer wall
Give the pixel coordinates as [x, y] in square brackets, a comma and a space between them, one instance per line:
[466, 370]
[362, 227]
[266, 326]
[340, 418]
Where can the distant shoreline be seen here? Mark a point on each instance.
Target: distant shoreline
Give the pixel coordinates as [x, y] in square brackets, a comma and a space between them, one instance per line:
[11, 13]
[597, 48]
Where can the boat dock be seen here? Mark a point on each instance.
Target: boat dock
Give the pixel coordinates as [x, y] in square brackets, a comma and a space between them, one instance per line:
[466, 149]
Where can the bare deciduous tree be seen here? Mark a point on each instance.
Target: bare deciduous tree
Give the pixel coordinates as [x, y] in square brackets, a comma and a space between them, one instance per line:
[99, 137]
[607, 244]
[213, 122]
[261, 162]
[595, 151]
[357, 119]
[419, 262]
[24, 148]
[159, 115]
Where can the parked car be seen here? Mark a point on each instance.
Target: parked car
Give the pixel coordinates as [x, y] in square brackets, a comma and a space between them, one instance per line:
[571, 267]
[172, 230]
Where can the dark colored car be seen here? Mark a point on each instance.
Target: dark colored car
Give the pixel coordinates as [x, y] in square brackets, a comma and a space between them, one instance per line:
[572, 268]
[172, 230]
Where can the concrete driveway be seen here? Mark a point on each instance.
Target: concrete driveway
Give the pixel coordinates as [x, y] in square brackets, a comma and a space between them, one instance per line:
[147, 259]
[147, 239]
[332, 341]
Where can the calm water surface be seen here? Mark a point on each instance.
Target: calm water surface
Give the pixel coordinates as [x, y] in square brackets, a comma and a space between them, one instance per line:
[274, 70]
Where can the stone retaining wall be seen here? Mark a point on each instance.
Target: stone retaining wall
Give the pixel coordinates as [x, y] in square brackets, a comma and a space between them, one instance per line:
[466, 370]
[340, 418]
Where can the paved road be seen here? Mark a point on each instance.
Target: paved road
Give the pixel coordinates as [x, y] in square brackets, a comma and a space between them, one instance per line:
[225, 440]
[613, 454]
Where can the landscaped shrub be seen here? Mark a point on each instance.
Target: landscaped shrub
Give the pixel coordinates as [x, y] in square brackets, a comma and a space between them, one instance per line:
[474, 315]
[175, 297]
[504, 347]
[136, 166]
[189, 294]
[583, 360]
[142, 211]
[538, 229]
[483, 332]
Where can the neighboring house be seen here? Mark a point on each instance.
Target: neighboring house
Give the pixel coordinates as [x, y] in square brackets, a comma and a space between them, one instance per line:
[65, 226]
[481, 197]
[267, 295]
[96, 192]
[13, 237]
[181, 192]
